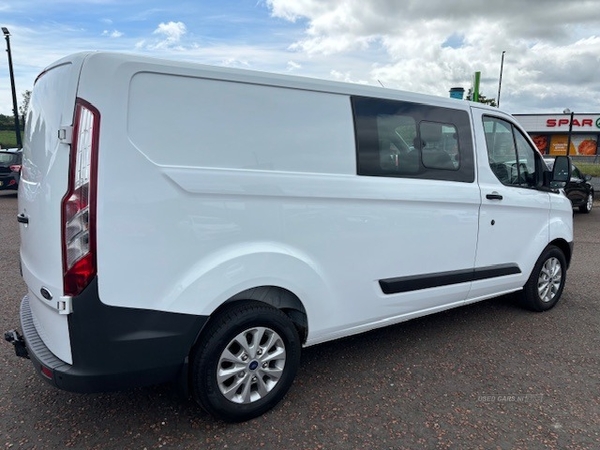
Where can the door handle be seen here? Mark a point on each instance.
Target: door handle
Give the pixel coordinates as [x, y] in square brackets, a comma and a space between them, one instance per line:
[493, 196]
[22, 218]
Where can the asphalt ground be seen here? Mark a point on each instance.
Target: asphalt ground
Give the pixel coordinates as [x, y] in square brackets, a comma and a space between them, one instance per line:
[484, 376]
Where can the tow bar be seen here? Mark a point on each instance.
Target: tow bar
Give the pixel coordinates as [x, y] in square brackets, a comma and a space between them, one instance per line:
[18, 342]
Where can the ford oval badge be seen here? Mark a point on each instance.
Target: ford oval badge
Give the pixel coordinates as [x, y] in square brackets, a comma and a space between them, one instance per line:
[46, 293]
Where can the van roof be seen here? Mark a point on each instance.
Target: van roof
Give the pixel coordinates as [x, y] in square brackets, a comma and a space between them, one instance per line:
[270, 79]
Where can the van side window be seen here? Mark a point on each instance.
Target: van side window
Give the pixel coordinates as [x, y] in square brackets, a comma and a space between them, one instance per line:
[511, 157]
[411, 140]
[439, 146]
[396, 135]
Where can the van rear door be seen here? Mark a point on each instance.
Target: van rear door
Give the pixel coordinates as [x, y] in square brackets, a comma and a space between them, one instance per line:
[43, 185]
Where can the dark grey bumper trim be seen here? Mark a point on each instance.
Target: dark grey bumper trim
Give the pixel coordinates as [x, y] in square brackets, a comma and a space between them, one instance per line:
[38, 352]
[113, 347]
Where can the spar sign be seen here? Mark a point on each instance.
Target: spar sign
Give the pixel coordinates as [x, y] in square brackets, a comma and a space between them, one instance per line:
[588, 123]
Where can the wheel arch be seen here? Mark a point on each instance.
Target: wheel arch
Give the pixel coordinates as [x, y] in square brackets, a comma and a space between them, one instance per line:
[279, 298]
[565, 247]
[275, 296]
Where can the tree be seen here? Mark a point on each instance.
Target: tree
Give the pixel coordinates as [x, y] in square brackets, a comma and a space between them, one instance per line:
[7, 122]
[25, 103]
[482, 98]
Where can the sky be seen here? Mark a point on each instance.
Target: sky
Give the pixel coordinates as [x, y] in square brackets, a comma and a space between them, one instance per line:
[551, 59]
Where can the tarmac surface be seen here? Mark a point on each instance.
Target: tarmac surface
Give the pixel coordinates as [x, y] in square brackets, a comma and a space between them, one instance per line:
[484, 376]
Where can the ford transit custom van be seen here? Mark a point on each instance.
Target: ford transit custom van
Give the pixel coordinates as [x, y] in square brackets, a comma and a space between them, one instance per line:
[204, 224]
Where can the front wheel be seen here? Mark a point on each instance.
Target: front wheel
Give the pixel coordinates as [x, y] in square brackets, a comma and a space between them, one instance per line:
[247, 363]
[589, 203]
[547, 280]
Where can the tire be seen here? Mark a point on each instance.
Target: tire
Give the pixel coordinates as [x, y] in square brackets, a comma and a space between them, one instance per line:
[589, 203]
[547, 280]
[247, 362]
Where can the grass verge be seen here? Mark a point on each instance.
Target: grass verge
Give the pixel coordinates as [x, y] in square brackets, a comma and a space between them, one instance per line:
[589, 169]
[8, 139]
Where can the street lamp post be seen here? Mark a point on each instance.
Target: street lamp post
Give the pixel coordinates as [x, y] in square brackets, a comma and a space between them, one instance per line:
[568, 111]
[12, 84]
[500, 80]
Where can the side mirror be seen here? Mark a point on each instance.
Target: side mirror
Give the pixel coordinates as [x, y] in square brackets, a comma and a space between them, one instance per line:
[587, 177]
[561, 172]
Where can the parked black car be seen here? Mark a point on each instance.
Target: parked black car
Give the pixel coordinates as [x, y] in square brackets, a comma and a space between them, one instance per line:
[10, 168]
[578, 189]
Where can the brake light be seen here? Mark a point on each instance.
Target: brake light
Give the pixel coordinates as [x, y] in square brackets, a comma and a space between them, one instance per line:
[15, 167]
[79, 204]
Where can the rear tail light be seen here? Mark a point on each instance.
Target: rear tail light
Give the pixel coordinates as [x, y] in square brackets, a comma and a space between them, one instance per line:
[15, 168]
[79, 204]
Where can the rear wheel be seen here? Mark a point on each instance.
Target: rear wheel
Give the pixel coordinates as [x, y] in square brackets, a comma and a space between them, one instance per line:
[247, 362]
[547, 280]
[589, 204]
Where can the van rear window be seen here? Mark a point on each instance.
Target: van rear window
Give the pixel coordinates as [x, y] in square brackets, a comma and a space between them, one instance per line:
[403, 139]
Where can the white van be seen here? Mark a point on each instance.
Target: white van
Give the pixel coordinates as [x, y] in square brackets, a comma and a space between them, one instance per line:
[203, 224]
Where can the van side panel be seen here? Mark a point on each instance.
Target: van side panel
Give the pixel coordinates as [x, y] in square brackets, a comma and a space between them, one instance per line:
[210, 187]
[224, 124]
[327, 237]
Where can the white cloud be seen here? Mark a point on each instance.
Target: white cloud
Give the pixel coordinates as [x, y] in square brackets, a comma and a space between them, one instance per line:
[112, 34]
[552, 47]
[171, 31]
[170, 36]
[292, 65]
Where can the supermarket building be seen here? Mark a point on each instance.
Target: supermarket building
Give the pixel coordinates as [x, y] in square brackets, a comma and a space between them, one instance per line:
[550, 132]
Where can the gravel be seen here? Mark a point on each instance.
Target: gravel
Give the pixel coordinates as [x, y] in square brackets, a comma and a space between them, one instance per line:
[484, 376]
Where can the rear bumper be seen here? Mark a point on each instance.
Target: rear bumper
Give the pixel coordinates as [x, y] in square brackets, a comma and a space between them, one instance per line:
[37, 351]
[113, 348]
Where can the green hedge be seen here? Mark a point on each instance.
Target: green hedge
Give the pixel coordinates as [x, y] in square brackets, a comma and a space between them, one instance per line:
[589, 168]
[8, 138]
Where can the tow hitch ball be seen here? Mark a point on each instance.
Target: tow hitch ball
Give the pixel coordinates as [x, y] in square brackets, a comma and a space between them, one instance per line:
[18, 342]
